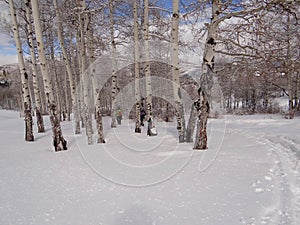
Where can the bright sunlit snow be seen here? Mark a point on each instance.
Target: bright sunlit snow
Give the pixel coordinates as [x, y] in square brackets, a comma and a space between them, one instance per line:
[249, 175]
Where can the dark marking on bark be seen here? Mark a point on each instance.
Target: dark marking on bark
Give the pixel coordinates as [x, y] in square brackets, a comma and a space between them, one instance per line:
[179, 93]
[211, 41]
[175, 15]
[212, 64]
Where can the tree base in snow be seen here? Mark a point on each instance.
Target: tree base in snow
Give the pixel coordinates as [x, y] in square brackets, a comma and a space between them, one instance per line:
[28, 126]
[40, 121]
[151, 131]
[203, 108]
[60, 144]
[101, 141]
[99, 126]
[201, 138]
[200, 148]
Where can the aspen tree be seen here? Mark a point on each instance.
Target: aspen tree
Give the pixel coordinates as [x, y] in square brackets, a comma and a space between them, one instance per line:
[202, 104]
[98, 114]
[58, 140]
[36, 89]
[65, 57]
[24, 76]
[175, 72]
[147, 70]
[85, 79]
[136, 70]
[113, 75]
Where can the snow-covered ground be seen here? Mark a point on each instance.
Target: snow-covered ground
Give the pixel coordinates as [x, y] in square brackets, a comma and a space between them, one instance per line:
[249, 175]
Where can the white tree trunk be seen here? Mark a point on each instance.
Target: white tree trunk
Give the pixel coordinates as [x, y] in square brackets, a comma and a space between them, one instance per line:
[289, 71]
[85, 79]
[36, 89]
[56, 85]
[206, 79]
[175, 72]
[98, 115]
[77, 106]
[147, 70]
[297, 101]
[113, 75]
[77, 115]
[202, 106]
[90, 44]
[58, 141]
[136, 70]
[67, 97]
[24, 76]
[191, 125]
[65, 55]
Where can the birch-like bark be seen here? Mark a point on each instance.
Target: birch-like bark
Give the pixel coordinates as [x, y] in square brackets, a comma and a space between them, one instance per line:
[77, 106]
[191, 125]
[147, 69]
[202, 106]
[206, 79]
[65, 56]
[90, 43]
[58, 140]
[24, 76]
[289, 71]
[136, 71]
[113, 75]
[77, 115]
[85, 79]
[98, 114]
[67, 95]
[175, 73]
[36, 89]
[290, 88]
[55, 81]
[297, 101]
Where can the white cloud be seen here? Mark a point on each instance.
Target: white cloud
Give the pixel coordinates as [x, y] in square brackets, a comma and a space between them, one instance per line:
[7, 55]
[4, 9]
[8, 59]
[5, 40]
[7, 50]
[4, 18]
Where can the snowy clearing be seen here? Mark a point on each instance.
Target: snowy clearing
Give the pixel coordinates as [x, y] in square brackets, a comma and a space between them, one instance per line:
[249, 175]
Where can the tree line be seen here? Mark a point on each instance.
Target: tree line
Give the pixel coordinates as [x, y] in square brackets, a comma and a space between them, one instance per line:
[245, 45]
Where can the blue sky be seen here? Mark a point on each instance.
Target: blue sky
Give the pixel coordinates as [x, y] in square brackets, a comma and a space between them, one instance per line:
[8, 52]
